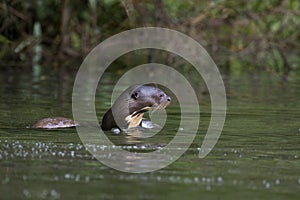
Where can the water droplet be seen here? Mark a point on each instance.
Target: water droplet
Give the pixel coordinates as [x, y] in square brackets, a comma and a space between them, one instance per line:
[77, 178]
[220, 179]
[187, 180]
[116, 130]
[54, 194]
[101, 176]
[208, 187]
[234, 182]
[143, 147]
[43, 194]
[26, 193]
[68, 176]
[158, 178]
[25, 178]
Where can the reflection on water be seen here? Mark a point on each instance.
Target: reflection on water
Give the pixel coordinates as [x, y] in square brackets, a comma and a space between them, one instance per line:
[257, 155]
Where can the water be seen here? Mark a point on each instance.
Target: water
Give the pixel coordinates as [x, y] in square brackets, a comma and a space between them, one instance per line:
[256, 157]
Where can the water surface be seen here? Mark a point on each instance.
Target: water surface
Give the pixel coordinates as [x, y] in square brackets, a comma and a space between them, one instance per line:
[256, 157]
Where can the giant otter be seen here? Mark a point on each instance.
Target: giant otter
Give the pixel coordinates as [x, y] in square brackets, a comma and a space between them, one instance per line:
[54, 123]
[129, 108]
[126, 112]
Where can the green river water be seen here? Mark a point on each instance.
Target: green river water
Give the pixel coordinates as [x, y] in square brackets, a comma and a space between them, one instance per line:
[256, 157]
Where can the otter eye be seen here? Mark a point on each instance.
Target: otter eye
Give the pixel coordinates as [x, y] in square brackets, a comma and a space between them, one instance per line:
[135, 95]
[161, 95]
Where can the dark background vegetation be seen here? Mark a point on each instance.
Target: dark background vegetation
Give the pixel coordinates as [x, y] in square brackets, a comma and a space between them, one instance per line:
[239, 35]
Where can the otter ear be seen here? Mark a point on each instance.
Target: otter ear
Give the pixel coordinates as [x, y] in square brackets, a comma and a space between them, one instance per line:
[135, 95]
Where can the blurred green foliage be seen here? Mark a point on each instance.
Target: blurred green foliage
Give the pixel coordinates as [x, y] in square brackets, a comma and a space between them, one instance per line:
[240, 35]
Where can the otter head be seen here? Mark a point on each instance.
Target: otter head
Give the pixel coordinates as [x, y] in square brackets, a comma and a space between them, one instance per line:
[142, 99]
[146, 98]
[129, 108]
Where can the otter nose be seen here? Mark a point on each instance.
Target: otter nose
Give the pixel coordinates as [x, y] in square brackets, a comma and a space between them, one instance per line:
[168, 98]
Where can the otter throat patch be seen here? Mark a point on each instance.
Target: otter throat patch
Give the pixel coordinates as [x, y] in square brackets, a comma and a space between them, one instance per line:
[136, 117]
